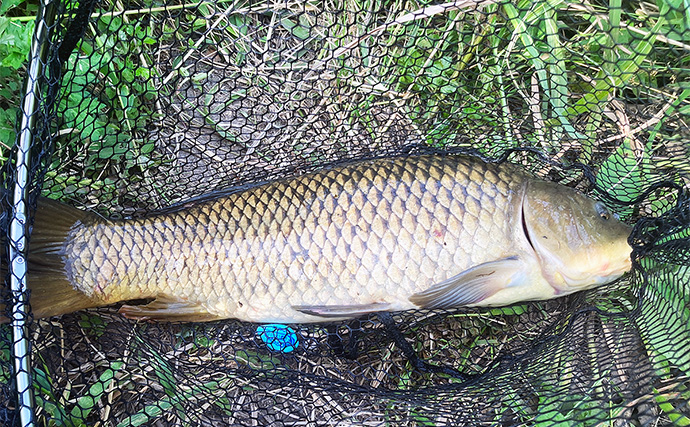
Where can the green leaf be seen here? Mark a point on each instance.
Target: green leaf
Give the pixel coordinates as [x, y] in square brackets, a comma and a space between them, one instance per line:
[15, 42]
[85, 404]
[615, 74]
[622, 175]
[665, 321]
[6, 5]
[675, 415]
[145, 415]
[297, 30]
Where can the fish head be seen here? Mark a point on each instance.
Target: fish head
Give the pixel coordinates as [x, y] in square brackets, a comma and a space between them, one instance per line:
[579, 243]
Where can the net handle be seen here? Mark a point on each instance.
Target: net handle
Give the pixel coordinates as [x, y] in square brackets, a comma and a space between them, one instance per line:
[18, 227]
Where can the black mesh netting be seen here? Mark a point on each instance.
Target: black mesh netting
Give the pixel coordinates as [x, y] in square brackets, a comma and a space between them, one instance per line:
[162, 102]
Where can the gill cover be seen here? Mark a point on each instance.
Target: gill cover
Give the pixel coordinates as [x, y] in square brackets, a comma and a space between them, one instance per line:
[577, 240]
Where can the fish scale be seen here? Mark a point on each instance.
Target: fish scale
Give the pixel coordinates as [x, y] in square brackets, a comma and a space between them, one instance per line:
[371, 232]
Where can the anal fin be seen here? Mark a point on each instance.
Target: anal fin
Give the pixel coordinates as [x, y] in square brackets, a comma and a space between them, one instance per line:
[472, 285]
[342, 311]
[168, 309]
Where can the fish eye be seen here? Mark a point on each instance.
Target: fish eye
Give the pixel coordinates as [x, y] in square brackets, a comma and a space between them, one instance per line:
[602, 210]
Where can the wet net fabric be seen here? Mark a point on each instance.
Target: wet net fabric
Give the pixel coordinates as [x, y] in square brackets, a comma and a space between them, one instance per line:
[162, 102]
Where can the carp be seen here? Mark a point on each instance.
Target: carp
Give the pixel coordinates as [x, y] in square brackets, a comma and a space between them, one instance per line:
[424, 231]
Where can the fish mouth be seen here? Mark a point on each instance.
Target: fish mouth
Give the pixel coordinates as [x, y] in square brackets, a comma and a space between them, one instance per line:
[616, 270]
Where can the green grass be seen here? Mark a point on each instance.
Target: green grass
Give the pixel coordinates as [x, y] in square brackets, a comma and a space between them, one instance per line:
[55, 406]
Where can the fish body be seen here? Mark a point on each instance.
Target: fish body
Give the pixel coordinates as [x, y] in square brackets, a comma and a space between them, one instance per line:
[386, 234]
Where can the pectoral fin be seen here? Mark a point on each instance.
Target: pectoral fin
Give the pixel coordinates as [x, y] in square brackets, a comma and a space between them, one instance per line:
[168, 309]
[471, 286]
[354, 310]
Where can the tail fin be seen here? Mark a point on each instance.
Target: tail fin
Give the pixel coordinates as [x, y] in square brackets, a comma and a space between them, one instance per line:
[51, 293]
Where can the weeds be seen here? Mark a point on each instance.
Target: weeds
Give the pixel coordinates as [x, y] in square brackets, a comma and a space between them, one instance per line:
[15, 43]
[54, 406]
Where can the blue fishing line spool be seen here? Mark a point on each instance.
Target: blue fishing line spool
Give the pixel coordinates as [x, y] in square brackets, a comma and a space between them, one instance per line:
[278, 337]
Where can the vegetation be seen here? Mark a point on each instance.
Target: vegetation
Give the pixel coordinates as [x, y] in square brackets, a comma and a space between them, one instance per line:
[15, 43]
